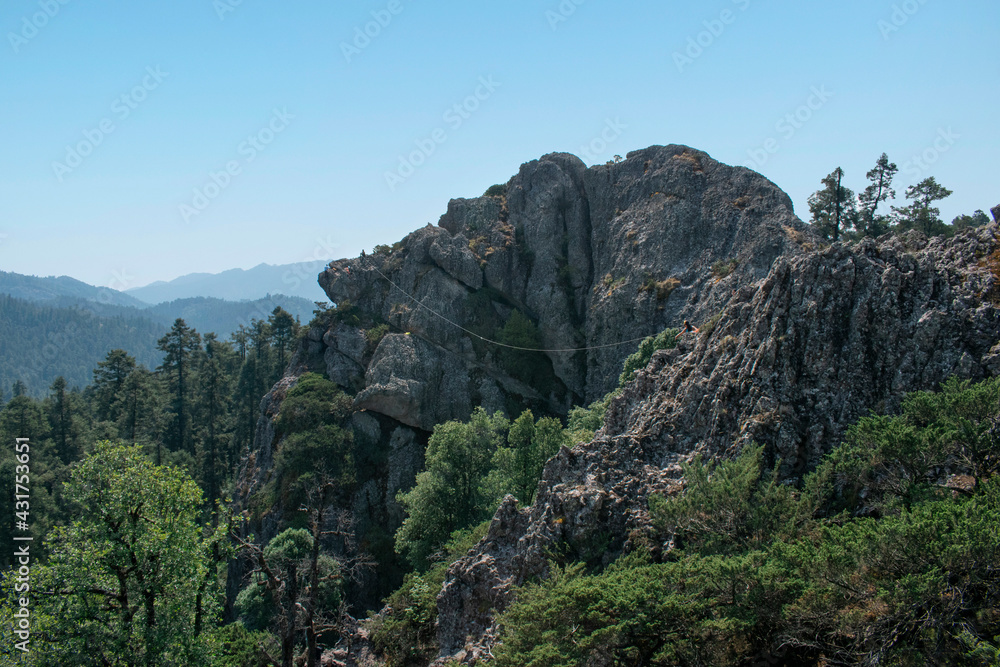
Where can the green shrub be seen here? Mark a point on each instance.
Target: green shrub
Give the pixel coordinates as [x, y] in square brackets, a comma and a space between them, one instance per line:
[584, 422]
[449, 494]
[498, 190]
[640, 358]
[709, 325]
[374, 336]
[314, 441]
[724, 267]
[405, 632]
[755, 571]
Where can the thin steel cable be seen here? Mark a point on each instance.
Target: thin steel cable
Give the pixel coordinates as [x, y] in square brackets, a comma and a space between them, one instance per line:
[490, 340]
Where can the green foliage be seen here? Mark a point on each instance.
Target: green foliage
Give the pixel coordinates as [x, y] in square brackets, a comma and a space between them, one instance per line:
[638, 360]
[977, 219]
[634, 613]
[234, 646]
[179, 346]
[449, 494]
[498, 190]
[582, 422]
[288, 556]
[757, 571]
[124, 583]
[405, 631]
[518, 466]
[314, 439]
[662, 288]
[879, 189]
[728, 506]
[374, 336]
[921, 215]
[41, 342]
[833, 208]
[888, 460]
[724, 267]
[708, 326]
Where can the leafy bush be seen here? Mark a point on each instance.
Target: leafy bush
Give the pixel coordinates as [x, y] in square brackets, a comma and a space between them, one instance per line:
[234, 646]
[663, 288]
[887, 460]
[449, 494]
[498, 190]
[584, 422]
[314, 440]
[760, 572]
[518, 466]
[728, 505]
[724, 267]
[640, 358]
[709, 325]
[374, 336]
[405, 632]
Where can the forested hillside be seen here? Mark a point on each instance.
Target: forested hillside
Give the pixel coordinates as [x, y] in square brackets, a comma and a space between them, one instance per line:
[61, 335]
[35, 288]
[40, 343]
[635, 413]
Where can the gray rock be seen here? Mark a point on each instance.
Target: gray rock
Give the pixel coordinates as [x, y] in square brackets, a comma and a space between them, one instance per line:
[996, 213]
[415, 383]
[795, 358]
[453, 255]
[597, 258]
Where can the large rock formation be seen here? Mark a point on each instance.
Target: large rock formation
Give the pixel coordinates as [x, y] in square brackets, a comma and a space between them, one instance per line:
[795, 357]
[596, 258]
[804, 339]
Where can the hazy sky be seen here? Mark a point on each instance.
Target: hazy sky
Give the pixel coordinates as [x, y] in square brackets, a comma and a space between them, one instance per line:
[144, 140]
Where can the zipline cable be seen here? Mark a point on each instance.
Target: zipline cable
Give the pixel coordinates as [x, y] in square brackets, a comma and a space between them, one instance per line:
[489, 340]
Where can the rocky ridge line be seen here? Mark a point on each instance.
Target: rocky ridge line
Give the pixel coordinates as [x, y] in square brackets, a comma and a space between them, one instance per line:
[820, 341]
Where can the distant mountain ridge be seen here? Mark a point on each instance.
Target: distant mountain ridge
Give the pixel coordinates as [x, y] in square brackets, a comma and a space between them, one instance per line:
[62, 326]
[37, 289]
[39, 342]
[298, 280]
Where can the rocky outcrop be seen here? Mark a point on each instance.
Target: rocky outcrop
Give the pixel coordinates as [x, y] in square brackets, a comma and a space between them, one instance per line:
[793, 359]
[996, 213]
[596, 258]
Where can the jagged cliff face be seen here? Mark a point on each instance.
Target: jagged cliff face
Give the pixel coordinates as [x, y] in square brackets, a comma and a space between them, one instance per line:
[823, 339]
[596, 258]
[808, 339]
[593, 256]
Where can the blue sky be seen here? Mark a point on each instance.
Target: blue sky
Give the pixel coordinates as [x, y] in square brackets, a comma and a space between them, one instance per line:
[145, 140]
